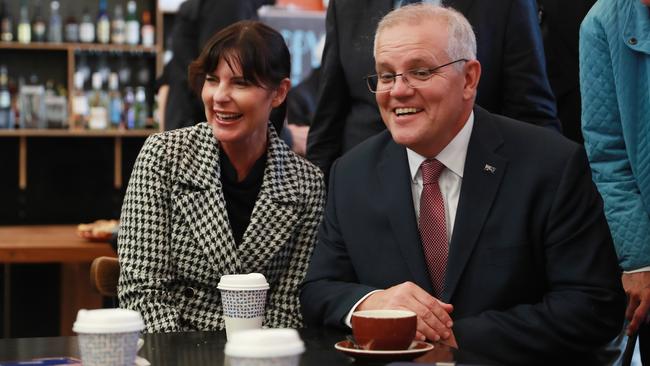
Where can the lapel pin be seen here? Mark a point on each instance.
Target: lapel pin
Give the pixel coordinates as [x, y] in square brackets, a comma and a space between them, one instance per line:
[489, 168]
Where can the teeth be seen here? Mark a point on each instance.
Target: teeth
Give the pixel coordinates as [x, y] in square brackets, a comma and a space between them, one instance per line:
[400, 111]
[226, 116]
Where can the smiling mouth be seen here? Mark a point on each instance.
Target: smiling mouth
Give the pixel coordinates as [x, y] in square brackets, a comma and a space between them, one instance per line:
[227, 117]
[406, 111]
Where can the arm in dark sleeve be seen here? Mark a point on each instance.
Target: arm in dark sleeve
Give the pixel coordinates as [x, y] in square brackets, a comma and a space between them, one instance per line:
[584, 304]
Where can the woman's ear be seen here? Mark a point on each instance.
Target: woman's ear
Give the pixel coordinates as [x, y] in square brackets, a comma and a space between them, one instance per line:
[281, 92]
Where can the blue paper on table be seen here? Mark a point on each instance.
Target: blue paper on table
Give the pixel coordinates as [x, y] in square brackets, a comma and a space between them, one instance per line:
[44, 362]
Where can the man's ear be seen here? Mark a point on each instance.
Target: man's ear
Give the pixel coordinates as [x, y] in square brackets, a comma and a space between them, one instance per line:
[472, 70]
[281, 92]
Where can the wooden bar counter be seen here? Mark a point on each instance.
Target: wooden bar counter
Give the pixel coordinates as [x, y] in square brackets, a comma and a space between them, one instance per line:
[54, 244]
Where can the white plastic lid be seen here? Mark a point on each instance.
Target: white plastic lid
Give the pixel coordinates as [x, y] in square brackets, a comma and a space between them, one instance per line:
[108, 321]
[251, 281]
[259, 343]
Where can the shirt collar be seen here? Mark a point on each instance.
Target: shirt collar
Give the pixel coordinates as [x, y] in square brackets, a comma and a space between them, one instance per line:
[452, 156]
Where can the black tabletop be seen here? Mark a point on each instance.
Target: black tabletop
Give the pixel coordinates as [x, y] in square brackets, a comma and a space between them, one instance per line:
[199, 348]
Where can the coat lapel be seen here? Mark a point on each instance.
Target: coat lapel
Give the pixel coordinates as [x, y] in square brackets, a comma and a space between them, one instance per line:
[484, 170]
[395, 184]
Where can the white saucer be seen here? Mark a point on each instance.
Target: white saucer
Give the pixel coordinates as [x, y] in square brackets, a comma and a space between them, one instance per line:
[416, 349]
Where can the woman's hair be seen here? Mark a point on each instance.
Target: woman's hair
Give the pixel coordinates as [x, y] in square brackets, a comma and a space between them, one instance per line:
[259, 50]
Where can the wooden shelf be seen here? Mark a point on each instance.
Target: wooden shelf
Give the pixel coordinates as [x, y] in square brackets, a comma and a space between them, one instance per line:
[75, 133]
[96, 47]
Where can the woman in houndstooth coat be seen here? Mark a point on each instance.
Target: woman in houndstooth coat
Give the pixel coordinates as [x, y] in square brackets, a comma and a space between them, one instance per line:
[225, 196]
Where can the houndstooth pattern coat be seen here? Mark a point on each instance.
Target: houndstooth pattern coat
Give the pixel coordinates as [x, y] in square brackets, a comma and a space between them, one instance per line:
[175, 241]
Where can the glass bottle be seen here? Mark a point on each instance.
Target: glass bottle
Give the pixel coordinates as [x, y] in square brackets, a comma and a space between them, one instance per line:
[132, 24]
[6, 23]
[6, 115]
[38, 24]
[86, 28]
[140, 108]
[103, 24]
[79, 102]
[118, 25]
[115, 102]
[55, 30]
[24, 25]
[148, 30]
[129, 111]
[71, 29]
[98, 102]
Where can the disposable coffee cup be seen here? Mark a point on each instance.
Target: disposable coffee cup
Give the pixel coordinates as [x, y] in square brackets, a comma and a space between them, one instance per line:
[264, 347]
[108, 336]
[243, 298]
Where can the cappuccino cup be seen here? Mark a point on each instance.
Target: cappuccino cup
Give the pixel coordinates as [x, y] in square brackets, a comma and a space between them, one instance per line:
[384, 329]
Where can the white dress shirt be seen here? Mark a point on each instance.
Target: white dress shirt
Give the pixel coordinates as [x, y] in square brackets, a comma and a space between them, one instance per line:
[451, 179]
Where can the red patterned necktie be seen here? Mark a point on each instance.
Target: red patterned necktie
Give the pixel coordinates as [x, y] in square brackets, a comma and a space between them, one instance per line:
[433, 226]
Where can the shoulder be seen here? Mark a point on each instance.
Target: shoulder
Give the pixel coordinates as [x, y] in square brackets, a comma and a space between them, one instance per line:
[368, 152]
[300, 173]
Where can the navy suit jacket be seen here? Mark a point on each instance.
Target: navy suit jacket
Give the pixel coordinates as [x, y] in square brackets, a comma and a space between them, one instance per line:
[509, 47]
[532, 272]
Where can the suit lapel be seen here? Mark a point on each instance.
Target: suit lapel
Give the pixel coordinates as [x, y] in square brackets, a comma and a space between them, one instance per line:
[395, 184]
[484, 170]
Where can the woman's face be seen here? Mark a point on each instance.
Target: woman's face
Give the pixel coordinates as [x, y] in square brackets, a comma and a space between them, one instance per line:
[237, 110]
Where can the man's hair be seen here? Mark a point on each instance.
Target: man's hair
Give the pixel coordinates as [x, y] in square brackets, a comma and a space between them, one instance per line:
[461, 42]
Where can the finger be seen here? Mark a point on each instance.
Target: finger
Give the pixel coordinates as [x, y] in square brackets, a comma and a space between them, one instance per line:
[419, 336]
[639, 316]
[438, 308]
[632, 304]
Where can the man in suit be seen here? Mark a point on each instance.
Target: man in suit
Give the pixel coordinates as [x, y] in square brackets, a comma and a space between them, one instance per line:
[505, 254]
[510, 50]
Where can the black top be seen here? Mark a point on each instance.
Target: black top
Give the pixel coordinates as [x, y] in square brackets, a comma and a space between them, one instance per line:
[240, 196]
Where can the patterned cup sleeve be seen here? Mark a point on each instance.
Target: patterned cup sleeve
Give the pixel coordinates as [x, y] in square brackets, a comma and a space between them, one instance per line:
[243, 304]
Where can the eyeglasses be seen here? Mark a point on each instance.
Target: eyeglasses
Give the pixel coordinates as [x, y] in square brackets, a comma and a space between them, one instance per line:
[414, 78]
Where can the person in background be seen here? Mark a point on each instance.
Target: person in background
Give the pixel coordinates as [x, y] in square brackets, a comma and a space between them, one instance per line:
[615, 86]
[222, 197]
[510, 50]
[489, 229]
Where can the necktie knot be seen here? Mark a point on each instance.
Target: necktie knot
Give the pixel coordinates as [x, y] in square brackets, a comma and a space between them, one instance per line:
[431, 170]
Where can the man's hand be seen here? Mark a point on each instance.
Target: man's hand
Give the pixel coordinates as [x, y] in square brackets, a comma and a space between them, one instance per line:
[637, 288]
[434, 322]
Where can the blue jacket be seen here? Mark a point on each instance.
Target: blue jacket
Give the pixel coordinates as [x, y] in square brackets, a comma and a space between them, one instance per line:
[615, 86]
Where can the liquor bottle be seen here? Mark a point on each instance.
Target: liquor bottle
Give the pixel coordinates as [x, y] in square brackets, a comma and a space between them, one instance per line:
[103, 24]
[132, 24]
[140, 108]
[79, 102]
[24, 25]
[6, 115]
[86, 28]
[71, 29]
[98, 102]
[148, 30]
[38, 24]
[6, 23]
[115, 102]
[129, 111]
[118, 25]
[55, 30]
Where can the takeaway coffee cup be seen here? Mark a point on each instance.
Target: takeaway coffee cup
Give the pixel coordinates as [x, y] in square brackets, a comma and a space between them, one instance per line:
[264, 347]
[243, 298]
[384, 329]
[108, 336]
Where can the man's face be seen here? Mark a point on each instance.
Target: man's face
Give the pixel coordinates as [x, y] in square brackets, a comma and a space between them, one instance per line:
[427, 118]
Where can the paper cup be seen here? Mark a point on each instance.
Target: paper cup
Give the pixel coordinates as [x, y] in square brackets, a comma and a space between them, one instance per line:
[243, 298]
[264, 347]
[108, 336]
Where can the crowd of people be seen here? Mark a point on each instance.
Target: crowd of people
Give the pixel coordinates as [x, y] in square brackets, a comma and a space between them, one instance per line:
[437, 178]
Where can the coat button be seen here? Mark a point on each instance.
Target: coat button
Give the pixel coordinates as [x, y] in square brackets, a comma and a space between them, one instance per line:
[632, 41]
[189, 292]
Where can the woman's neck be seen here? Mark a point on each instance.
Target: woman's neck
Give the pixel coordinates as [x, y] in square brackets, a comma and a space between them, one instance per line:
[244, 156]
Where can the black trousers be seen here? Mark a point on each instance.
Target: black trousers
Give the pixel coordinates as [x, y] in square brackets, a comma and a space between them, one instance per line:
[644, 343]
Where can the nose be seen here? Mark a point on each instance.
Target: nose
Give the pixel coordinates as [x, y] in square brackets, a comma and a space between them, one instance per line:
[401, 87]
[220, 93]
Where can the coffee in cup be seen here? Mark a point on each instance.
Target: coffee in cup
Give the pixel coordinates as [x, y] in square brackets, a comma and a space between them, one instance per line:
[384, 329]
[108, 336]
[264, 347]
[243, 298]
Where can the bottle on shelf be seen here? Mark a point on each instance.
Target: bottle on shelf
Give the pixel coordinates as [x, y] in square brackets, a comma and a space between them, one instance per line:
[79, 102]
[98, 102]
[148, 31]
[55, 29]
[140, 108]
[6, 23]
[24, 25]
[103, 24]
[118, 25]
[115, 105]
[132, 24]
[71, 29]
[6, 114]
[39, 27]
[32, 103]
[129, 110]
[86, 28]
